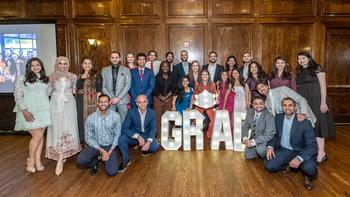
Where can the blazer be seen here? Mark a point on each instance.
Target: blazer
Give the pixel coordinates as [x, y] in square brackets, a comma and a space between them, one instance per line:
[132, 124]
[264, 131]
[302, 137]
[179, 72]
[141, 87]
[218, 70]
[282, 92]
[122, 85]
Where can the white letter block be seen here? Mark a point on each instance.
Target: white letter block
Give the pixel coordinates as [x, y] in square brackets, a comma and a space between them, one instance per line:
[237, 132]
[222, 130]
[192, 130]
[171, 144]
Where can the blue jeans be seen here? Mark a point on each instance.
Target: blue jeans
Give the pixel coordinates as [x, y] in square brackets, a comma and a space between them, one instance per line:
[88, 158]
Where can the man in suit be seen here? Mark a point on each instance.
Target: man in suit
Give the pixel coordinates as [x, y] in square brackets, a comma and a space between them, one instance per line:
[261, 124]
[139, 128]
[116, 84]
[142, 81]
[294, 144]
[274, 99]
[183, 68]
[213, 68]
[152, 62]
[246, 59]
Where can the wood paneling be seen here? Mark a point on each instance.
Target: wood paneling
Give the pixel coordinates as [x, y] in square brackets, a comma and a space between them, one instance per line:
[233, 7]
[287, 7]
[62, 40]
[140, 38]
[93, 8]
[231, 39]
[187, 8]
[9, 8]
[336, 7]
[142, 8]
[46, 8]
[99, 52]
[338, 56]
[340, 100]
[285, 40]
[190, 38]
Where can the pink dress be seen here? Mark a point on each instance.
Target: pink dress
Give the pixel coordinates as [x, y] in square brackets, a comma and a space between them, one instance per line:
[230, 103]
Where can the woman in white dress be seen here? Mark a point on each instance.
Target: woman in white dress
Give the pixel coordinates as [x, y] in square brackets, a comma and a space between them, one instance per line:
[239, 90]
[62, 137]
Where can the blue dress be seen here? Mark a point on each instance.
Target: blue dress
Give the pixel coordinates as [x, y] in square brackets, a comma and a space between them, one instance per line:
[185, 103]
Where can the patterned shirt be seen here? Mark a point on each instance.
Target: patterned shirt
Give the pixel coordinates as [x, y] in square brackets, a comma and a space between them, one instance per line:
[103, 130]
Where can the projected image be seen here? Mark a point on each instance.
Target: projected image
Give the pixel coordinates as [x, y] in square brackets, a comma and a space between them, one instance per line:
[15, 50]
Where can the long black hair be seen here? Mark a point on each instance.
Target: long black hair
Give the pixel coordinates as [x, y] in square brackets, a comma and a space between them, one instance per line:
[240, 79]
[261, 74]
[180, 92]
[30, 76]
[313, 66]
[227, 67]
[285, 74]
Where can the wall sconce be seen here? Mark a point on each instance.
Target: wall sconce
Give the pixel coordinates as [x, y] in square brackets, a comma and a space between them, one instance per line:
[94, 42]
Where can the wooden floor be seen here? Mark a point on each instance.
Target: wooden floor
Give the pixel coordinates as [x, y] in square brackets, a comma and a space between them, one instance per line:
[174, 173]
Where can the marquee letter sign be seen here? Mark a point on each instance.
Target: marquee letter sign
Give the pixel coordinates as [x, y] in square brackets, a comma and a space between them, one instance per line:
[192, 130]
[171, 144]
[222, 130]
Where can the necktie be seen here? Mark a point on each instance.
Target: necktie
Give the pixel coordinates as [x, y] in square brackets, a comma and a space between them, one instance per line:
[252, 135]
[152, 66]
[141, 74]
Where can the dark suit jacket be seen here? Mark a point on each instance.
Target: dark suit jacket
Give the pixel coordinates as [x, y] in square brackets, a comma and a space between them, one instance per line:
[178, 71]
[302, 137]
[141, 87]
[132, 124]
[218, 70]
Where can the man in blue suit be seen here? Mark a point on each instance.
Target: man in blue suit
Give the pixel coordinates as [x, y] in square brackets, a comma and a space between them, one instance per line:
[139, 128]
[294, 144]
[181, 69]
[213, 67]
[142, 81]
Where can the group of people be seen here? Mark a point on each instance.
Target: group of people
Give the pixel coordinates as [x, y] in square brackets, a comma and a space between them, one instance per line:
[132, 98]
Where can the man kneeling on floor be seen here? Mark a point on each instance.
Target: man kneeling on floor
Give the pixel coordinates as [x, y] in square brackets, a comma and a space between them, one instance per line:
[139, 128]
[294, 144]
[102, 130]
[261, 124]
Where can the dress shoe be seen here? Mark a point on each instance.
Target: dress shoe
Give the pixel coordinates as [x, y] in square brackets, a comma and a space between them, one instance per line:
[286, 170]
[94, 169]
[308, 183]
[30, 169]
[323, 159]
[144, 153]
[59, 167]
[123, 166]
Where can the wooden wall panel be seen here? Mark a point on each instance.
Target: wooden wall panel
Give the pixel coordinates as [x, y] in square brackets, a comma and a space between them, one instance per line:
[187, 8]
[99, 53]
[140, 38]
[130, 8]
[287, 7]
[233, 7]
[338, 56]
[231, 39]
[285, 40]
[62, 40]
[46, 8]
[9, 8]
[340, 99]
[190, 38]
[336, 7]
[93, 8]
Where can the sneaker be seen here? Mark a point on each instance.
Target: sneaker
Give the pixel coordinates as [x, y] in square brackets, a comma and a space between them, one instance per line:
[308, 183]
[123, 166]
[93, 170]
